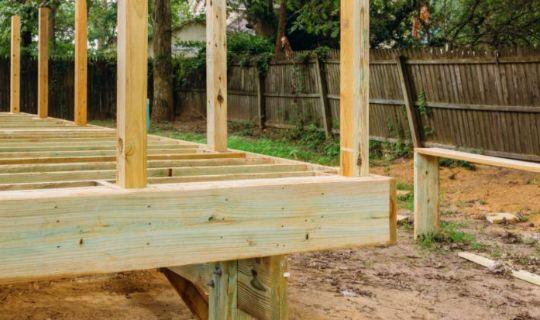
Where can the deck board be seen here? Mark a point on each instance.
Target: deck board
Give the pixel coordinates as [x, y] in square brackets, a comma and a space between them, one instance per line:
[37, 153]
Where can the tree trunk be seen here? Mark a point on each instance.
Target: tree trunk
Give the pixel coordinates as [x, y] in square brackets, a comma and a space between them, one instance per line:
[282, 25]
[162, 108]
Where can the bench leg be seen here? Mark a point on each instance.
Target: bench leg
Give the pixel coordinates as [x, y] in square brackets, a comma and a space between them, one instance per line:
[426, 195]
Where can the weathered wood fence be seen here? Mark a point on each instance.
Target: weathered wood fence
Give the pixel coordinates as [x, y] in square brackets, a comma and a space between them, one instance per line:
[473, 100]
[482, 101]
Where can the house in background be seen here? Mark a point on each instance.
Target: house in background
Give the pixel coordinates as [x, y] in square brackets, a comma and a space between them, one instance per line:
[194, 30]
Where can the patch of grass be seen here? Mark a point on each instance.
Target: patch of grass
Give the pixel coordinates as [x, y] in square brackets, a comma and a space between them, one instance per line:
[304, 143]
[449, 234]
[404, 186]
[451, 163]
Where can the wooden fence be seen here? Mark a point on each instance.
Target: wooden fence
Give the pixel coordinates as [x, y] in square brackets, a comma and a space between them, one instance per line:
[486, 102]
[480, 101]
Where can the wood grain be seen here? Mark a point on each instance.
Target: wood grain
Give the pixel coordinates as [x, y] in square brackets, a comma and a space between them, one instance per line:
[354, 93]
[81, 63]
[132, 89]
[15, 71]
[64, 232]
[43, 63]
[216, 74]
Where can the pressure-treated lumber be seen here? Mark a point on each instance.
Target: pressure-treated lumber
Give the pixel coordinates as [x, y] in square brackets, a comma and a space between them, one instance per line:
[262, 285]
[216, 74]
[132, 93]
[106, 229]
[15, 71]
[426, 195]
[480, 159]
[354, 91]
[488, 263]
[195, 300]
[81, 63]
[223, 291]
[43, 63]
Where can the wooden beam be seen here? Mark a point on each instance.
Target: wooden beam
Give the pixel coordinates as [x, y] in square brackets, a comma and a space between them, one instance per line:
[15, 82]
[43, 63]
[132, 93]
[426, 195]
[195, 300]
[354, 92]
[216, 74]
[81, 63]
[262, 287]
[223, 291]
[480, 159]
[107, 229]
[408, 97]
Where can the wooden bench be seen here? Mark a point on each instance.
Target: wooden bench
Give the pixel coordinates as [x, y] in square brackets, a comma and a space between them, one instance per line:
[426, 182]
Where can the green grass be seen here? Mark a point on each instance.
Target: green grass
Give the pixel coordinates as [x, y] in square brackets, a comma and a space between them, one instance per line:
[450, 233]
[307, 144]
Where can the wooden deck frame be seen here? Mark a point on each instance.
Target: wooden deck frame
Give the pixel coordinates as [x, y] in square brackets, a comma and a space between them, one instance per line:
[427, 183]
[184, 206]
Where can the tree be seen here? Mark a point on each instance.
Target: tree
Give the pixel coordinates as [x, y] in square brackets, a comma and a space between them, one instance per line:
[162, 108]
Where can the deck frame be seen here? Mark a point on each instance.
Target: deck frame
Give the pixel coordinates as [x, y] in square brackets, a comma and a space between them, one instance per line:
[75, 220]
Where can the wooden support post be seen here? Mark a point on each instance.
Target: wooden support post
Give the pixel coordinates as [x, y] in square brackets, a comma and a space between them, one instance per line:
[15, 85]
[195, 300]
[426, 195]
[262, 287]
[81, 63]
[261, 101]
[408, 97]
[223, 291]
[216, 74]
[132, 93]
[354, 93]
[326, 112]
[43, 63]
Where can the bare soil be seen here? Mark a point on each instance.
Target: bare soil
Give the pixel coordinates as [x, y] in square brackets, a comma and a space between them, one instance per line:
[400, 282]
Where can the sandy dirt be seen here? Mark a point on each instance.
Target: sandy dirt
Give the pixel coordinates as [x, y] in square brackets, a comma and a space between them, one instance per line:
[401, 282]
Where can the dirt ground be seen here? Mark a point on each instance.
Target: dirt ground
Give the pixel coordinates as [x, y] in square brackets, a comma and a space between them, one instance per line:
[405, 281]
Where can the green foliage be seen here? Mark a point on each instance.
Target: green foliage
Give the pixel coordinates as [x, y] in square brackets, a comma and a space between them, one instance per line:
[451, 163]
[450, 234]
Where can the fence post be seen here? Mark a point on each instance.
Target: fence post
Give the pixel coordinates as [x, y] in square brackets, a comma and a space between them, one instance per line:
[261, 100]
[409, 102]
[326, 112]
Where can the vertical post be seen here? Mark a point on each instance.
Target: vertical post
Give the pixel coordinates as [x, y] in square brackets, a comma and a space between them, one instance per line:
[354, 93]
[81, 63]
[426, 195]
[261, 101]
[223, 291]
[216, 74]
[132, 92]
[43, 63]
[409, 102]
[15, 86]
[326, 112]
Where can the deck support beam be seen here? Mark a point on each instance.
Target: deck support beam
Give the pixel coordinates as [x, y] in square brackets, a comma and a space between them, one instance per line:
[15, 82]
[132, 93]
[216, 74]
[354, 93]
[426, 195]
[43, 63]
[81, 63]
[223, 291]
